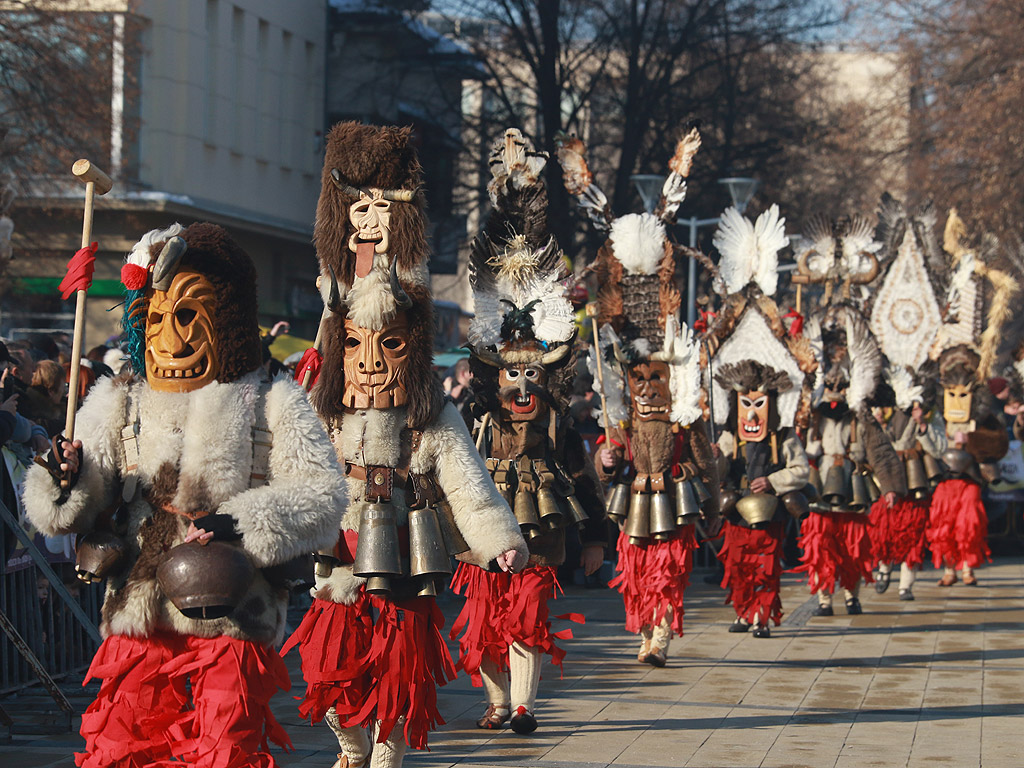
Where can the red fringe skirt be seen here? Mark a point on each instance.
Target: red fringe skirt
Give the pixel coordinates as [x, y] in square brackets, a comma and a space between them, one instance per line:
[375, 671]
[753, 570]
[652, 578]
[502, 609]
[142, 715]
[897, 533]
[835, 545]
[958, 525]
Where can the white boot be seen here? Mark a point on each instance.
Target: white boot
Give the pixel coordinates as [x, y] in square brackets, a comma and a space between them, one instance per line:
[661, 636]
[354, 743]
[907, 577]
[495, 682]
[646, 631]
[524, 666]
[391, 752]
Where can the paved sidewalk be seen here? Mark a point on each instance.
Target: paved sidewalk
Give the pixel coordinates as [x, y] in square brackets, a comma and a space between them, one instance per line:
[935, 682]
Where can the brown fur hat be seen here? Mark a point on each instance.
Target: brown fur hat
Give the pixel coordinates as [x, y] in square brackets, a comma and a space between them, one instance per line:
[752, 376]
[366, 156]
[959, 366]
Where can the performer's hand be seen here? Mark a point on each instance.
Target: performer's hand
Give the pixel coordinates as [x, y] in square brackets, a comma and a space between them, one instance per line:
[592, 558]
[71, 456]
[761, 485]
[198, 534]
[960, 438]
[890, 499]
[608, 459]
[512, 561]
[221, 527]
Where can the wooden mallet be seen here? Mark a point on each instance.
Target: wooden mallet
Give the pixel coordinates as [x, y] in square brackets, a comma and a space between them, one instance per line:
[96, 182]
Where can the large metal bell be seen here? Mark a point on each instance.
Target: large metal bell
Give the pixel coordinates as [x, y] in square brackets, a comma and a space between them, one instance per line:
[814, 479]
[526, 513]
[917, 478]
[704, 497]
[874, 492]
[638, 523]
[757, 508]
[859, 499]
[577, 513]
[933, 469]
[837, 491]
[687, 502]
[729, 498]
[428, 555]
[663, 517]
[550, 513]
[97, 554]
[958, 461]
[454, 541]
[796, 504]
[205, 581]
[618, 502]
[378, 557]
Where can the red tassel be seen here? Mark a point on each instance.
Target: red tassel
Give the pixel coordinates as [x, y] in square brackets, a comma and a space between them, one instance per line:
[333, 641]
[311, 361]
[958, 525]
[796, 328]
[835, 545]
[897, 533]
[80, 269]
[652, 578]
[753, 570]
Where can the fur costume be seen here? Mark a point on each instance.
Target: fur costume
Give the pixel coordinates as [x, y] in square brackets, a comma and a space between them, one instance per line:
[389, 423]
[977, 306]
[521, 339]
[753, 356]
[154, 461]
[664, 442]
[850, 447]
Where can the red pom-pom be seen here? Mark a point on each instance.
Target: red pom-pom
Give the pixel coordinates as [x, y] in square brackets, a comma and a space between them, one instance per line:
[134, 277]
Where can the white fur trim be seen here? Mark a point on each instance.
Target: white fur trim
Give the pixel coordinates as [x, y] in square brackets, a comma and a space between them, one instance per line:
[638, 242]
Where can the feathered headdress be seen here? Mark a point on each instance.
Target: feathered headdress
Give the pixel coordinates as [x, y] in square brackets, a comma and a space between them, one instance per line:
[749, 252]
[905, 316]
[905, 388]
[638, 298]
[843, 327]
[839, 254]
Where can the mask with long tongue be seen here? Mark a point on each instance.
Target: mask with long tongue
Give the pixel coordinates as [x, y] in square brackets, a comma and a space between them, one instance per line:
[371, 216]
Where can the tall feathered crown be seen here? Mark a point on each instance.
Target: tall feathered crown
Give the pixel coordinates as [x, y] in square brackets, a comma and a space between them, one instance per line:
[977, 302]
[905, 315]
[370, 238]
[839, 254]
[638, 299]
[749, 344]
[844, 326]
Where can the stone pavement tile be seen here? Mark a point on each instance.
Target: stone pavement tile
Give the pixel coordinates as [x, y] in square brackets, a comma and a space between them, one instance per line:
[17, 756]
[810, 745]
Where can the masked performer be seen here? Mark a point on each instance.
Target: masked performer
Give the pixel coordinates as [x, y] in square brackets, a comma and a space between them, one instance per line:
[190, 485]
[372, 652]
[523, 363]
[661, 440]
[905, 319]
[763, 379]
[855, 458]
[957, 524]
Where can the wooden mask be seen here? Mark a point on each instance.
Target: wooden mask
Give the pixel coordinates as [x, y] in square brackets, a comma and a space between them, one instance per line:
[752, 415]
[375, 365]
[649, 386]
[181, 340]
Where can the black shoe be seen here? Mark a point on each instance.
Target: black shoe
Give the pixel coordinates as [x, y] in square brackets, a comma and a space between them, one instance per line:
[853, 607]
[523, 721]
[762, 630]
[906, 594]
[739, 626]
[882, 581]
[822, 610]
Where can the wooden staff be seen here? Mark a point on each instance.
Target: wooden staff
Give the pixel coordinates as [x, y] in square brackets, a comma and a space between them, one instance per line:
[592, 314]
[96, 181]
[318, 341]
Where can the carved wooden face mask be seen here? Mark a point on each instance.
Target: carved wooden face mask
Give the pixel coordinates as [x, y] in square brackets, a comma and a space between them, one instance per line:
[649, 387]
[518, 403]
[371, 216]
[753, 415]
[956, 404]
[376, 365]
[181, 343]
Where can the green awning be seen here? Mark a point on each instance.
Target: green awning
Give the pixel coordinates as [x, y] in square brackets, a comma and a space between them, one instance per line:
[44, 285]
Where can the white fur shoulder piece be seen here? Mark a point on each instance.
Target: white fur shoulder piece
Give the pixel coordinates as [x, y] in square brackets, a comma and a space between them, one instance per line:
[613, 408]
[682, 353]
[749, 252]
[638, 242]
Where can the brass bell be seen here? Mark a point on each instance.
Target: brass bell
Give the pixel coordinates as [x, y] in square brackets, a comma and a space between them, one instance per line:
[702, 493]
[205, 581]
[917, 477]
[814, 479]
[757, 508]
[377, 554]
[454, 541]
[933, 469]
[859, 500]
[663, 518]
[729, 498]
[958, 461]
[577, 514]
[550, 513]
[837, 490]
[324, 563]
[687, 502]
[526, 513]
[618, 502]
[427, 553]
[638, 523]
[796, 504]
[428, 587]
[874, 492]
[97, 554]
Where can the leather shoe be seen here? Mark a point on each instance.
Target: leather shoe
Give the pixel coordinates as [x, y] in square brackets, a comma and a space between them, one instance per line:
[823, 610]
[906, 595]
[523, 721]
[762, 630]
[739, 626]
[882, 581]
[970, 580]
[853, 607]
[947, 580]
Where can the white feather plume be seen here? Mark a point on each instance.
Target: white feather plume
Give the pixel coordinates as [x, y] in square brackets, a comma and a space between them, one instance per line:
[858, 242]
[903, 386]
[865, 359]
[638, 242]
[140, 252]
[613, 396]
[683, 354]
[749, 252]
